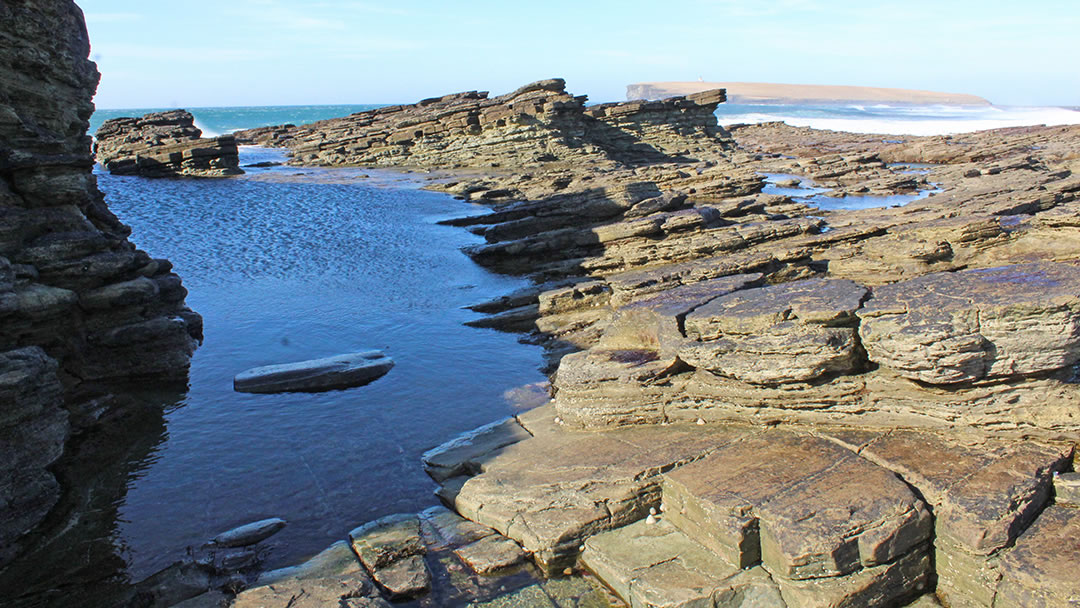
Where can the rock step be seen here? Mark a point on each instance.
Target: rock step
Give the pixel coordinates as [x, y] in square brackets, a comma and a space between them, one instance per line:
[805, 508]
[658, 565]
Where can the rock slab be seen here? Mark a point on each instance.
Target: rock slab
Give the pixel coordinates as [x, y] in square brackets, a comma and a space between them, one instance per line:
[341, 371]
[985, 323]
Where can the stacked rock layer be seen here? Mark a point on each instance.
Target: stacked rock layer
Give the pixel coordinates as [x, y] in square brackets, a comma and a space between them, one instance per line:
[164, 144]
[80, 306]
[758, 401]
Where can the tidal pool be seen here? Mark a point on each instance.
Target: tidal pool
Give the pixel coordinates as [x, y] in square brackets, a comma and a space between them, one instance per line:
[288, 264]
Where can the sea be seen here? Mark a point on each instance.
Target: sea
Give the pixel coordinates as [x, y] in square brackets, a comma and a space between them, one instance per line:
[869, 118]
[287, 264]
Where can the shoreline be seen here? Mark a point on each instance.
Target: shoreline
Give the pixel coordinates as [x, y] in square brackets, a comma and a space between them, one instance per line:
[570, 314]
[726, 358]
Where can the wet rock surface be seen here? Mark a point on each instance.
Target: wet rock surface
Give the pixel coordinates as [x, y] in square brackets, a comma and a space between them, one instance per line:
[164, 144]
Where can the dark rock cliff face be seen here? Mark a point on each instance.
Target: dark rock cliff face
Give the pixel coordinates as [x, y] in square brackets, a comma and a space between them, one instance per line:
[80, 306]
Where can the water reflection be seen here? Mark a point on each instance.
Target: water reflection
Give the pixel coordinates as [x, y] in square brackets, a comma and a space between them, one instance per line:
[807, 192]
[75, 559]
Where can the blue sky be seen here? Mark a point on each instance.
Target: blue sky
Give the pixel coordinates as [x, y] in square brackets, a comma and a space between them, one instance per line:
[275, 52]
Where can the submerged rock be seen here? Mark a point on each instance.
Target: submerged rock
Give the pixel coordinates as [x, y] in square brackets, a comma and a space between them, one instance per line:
[341, 371]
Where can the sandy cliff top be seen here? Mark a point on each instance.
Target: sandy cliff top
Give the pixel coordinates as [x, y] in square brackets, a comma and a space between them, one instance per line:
[764, 92]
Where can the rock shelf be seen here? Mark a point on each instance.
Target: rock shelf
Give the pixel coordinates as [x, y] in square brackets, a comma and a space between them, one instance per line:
[755, 400]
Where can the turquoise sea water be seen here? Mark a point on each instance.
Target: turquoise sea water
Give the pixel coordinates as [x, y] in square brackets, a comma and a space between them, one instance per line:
[218, 121]
[905, 120]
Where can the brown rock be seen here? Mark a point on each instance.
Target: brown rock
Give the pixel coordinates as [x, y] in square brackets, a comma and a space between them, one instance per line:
[964, 326]
[164, 144]
[792, 332]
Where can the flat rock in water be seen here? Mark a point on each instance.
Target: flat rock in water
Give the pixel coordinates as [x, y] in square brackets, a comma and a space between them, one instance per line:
[341, 371]
[249, 534]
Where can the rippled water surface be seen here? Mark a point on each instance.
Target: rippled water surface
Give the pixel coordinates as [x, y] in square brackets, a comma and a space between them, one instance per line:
[286, 265]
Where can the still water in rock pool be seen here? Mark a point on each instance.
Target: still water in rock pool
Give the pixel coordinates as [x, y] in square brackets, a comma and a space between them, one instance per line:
[290, 264]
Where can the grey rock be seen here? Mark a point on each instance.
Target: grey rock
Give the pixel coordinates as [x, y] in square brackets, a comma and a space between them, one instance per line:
[464, 454]
[341, 371]
[1067, 489]
[386, 540]
[339, 592]
[453, 529]
[491, 553]
[164, 144]
[335, 561]
[532, 596]
[405, 578]
[249, 534]
[210, 599]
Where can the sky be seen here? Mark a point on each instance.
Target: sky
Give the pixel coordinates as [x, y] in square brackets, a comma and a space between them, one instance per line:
[201, 53]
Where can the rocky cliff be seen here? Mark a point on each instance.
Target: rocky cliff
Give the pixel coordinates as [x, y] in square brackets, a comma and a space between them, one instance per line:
[164, 144]
[80, 306]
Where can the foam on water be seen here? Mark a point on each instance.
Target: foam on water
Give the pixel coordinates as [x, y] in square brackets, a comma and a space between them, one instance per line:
[900, 120]
[858, 118]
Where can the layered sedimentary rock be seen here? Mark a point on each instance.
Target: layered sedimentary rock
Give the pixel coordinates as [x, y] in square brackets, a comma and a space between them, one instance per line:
[756, 400]
[164, 144]
[538, 123]
[797, 407]
[80, 306]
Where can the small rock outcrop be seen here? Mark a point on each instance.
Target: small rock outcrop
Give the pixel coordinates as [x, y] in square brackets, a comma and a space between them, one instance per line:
[537, 123]
[164, 144]
[80, 306]
[249, 534]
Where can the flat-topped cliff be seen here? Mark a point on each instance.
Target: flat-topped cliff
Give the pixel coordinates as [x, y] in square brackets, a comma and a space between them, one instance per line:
[776, 93]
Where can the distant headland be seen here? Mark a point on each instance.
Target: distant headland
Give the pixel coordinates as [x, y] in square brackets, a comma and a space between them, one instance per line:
[775, 93]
